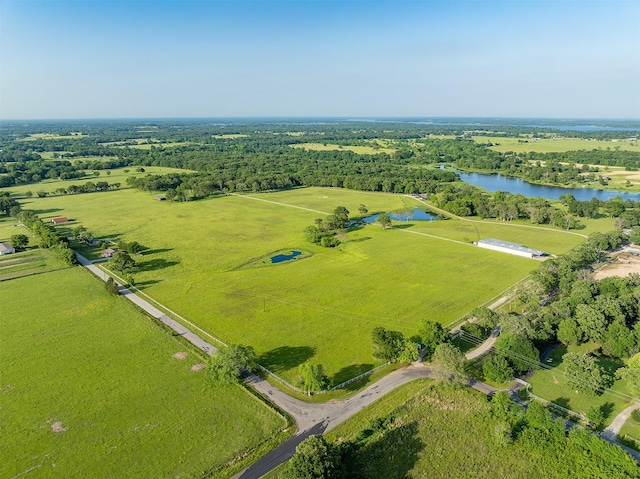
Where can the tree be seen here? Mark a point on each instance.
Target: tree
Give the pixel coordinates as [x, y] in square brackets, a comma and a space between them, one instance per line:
[431, 334]
[583, 373]
[497, 369]
[313, 378]
[387, 345]
[569, 332]
[362, 209]
[519, 351]
[538, 416]
[226, 365]
[410, 352]
[111, 286]
[19, 241]
[450, 364]
[384, 220]
[315, 459]
[631, 374]
[591, 321]
[596, 416]
[122, 262]
[618, 341]
[80, 233]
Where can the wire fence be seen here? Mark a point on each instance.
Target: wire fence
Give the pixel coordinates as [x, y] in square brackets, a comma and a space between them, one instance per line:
[551, 404]
[279, 379]
[357, 378]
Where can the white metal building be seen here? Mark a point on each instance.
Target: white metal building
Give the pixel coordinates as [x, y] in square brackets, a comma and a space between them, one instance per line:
[511, 248]
[6, 248]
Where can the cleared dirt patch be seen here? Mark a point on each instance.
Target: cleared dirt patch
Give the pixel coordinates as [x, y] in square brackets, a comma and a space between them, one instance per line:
[57, 426]
[180, 355]
[197, 367]
[618, 269]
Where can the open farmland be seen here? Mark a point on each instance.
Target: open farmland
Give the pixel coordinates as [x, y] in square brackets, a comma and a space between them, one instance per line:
[548, 145]
[362, 150]
[116, 175]
[90, 387]
[319, 309]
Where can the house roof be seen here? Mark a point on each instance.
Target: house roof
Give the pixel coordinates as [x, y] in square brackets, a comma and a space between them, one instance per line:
[5, 246]
[60, 219]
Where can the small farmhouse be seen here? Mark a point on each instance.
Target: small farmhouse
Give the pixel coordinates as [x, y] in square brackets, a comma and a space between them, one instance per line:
[6, 248]
[159, 198]
[61, 219]
[511, 248]
[108, 253]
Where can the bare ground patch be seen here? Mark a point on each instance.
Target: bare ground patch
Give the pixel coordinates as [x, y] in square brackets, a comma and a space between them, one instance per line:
[179, 355]
[617, 269]
[57, 426]
[197, 367]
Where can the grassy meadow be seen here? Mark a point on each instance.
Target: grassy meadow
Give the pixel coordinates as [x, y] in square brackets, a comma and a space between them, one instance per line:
[116, 175]
[322, 307]
[437, 432]
[361, 150]
[90, 386]
[548, 145]
[550, 384]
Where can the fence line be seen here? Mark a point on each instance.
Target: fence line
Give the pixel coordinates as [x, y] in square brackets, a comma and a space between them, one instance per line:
[352, 380]
[487, 302]
[626, 437]
[278, 378]
[569, 412]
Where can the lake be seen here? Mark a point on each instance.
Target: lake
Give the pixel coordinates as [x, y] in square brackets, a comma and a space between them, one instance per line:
[498, 182]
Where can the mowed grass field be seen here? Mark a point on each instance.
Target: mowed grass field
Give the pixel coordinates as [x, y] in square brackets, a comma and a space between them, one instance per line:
[547, 145]
[550, 384]
[90, 388]
[319, 309]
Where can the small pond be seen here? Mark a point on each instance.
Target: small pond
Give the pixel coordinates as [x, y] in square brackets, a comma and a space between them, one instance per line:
[415, 215]
[281, 258]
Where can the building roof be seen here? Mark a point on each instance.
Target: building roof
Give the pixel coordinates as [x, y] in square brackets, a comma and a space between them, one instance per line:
[61, 219]
[513, 246]
[5, 246]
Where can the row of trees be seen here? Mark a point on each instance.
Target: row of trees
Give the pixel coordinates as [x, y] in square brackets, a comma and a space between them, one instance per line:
[471, 201]
[48, 236]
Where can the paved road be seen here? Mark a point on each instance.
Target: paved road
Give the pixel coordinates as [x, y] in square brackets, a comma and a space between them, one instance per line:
[612, 431]
[320, 418]
[484, 347]
[152, 310]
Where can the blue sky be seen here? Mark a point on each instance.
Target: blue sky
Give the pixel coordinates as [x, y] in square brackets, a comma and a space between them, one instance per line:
[200, 58]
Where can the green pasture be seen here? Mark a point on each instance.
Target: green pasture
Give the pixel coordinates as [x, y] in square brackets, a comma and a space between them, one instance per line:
[23, 263]
[117, 175]
[362, 150]
[53, 136]
[547, 145]
[631, 428]
[320, 309]
[230, 136]
[435, 431]
[91, 388]
[550, 385]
